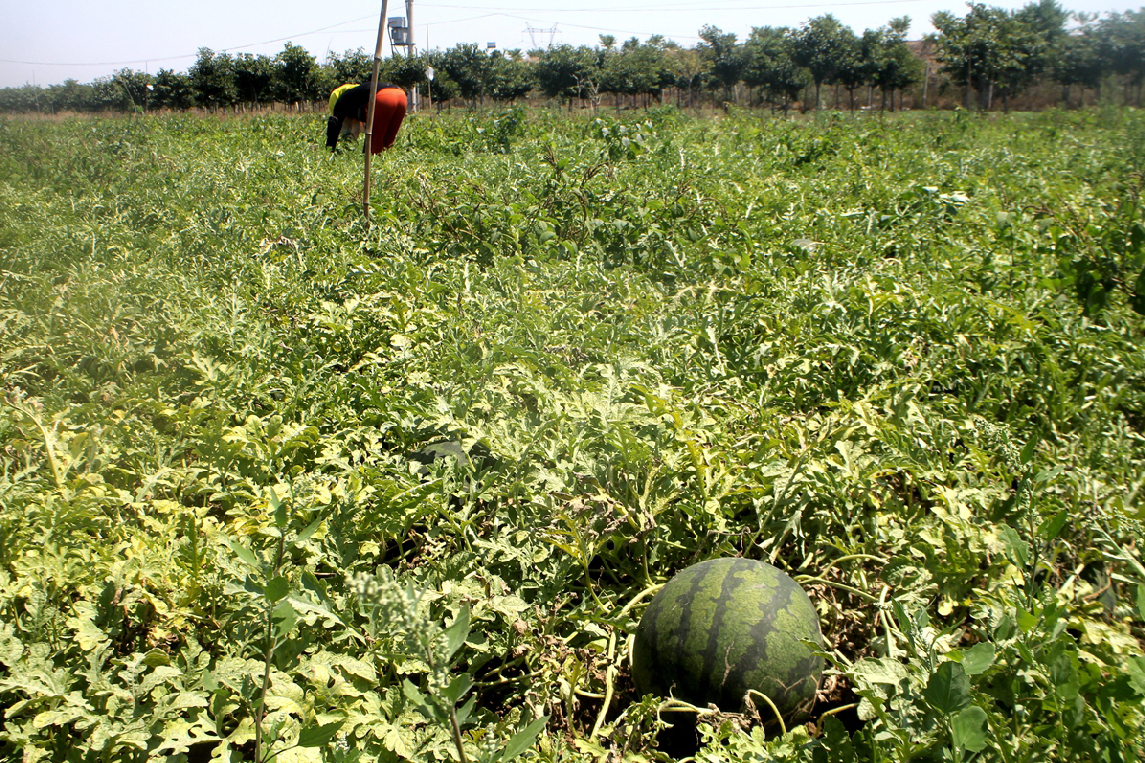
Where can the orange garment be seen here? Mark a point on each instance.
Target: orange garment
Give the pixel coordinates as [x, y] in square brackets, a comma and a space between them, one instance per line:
[389, 111]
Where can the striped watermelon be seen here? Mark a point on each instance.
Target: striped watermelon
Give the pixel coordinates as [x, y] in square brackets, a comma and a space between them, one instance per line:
[722, 627]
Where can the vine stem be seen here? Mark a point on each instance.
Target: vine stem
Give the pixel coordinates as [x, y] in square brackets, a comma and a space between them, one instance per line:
[48, 434]
[638, 597]
[608, 688]
[774, 709]
[837, 710]
[802, 579]
[268, 656]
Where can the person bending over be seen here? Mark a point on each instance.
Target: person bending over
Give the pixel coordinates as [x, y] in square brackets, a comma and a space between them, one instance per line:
[350, 106]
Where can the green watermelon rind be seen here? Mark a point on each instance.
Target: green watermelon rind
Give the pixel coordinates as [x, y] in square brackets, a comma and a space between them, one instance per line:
[758, 616]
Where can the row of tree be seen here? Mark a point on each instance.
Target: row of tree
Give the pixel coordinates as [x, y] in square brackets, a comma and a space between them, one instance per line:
[992, 53]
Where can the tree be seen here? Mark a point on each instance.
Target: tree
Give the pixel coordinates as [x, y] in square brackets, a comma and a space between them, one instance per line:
[70, 96]
[105, 94]
[21, 99]
[723, 58]
[136, 89]
[407, 72]
[969, 49]
[665, 65]
[173, 90]
[566, 72]
[353, 66]
[1081, 62]
[468, 66]
[253, 76]
[1037, 34]
[1126, 39]
[510, 76]
[688, 70]
[212, 78]
[443, 88]
[894, 66]
[295, 75]
[855, 65]
[768, 64]
[993, 48]
[818, 46]
[637, 69]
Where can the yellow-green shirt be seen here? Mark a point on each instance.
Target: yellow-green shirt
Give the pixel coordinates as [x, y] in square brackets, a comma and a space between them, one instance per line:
[338, 93]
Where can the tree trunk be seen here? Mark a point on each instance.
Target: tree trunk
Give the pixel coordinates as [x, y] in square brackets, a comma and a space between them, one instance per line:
[969, 85]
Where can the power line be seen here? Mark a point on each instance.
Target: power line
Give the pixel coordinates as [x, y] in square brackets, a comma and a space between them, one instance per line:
[189, 55]
[498, 11]
[679, 8]
[99, 63]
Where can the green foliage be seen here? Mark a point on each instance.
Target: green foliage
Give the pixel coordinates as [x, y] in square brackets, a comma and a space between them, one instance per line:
[276, 484]
[566, 72]
[820, 45]
[1104, 255]
[993, 50]
[212, 77]
[724, 58]
[295, 75]
[993, 46]
[770, 64]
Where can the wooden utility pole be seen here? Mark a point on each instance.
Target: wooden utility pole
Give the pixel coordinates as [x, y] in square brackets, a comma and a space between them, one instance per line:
[370, 113]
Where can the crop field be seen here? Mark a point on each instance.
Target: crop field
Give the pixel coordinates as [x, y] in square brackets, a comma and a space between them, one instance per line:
[278, 485]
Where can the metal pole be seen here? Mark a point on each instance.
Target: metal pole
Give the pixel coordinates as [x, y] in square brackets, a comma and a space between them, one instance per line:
[409, 26]
[370, 113]
[415, 101]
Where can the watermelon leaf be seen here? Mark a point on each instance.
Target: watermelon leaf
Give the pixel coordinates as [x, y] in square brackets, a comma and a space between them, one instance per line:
[456, 634]
[318, 736]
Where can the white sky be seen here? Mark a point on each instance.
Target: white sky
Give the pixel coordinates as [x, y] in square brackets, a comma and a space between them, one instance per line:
[47, 42]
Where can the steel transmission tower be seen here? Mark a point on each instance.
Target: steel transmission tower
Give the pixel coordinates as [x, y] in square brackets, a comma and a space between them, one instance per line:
[534, 31]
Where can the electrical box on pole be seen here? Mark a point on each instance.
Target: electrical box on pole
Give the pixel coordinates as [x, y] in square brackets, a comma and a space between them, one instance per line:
[401, 36]
[399, 32]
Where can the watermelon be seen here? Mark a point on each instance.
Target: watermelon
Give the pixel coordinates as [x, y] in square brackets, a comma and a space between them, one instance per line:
[723, 627]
